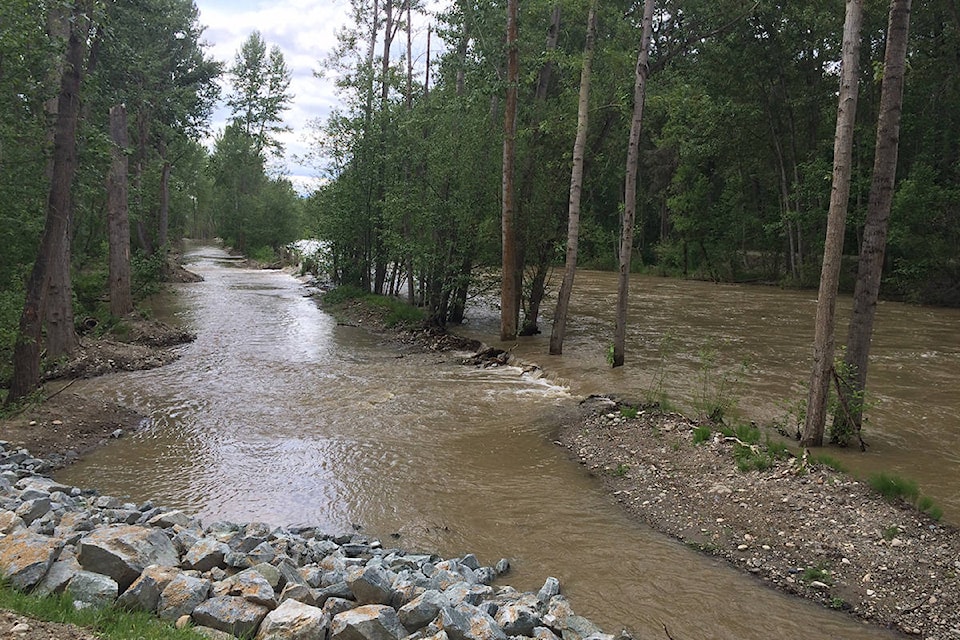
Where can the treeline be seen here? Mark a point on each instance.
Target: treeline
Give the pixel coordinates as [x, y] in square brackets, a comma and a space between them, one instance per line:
[736, 151]
[64, 68]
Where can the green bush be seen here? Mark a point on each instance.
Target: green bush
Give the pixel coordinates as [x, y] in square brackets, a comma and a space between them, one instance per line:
[629, 412]
[701, 434]
[342, 294]
[893, 487]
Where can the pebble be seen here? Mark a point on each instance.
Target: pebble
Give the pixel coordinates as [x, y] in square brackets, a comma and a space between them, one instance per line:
[21, 627]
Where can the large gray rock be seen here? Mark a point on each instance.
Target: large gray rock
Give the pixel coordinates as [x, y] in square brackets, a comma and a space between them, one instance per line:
[175, 518]
[550, 588]
[92, 589]
[294, 620]
[144, 593]
[10, 522]
[422, 610]
[59, 575]
[231, 614]
[249, 585]
[368, 622]
[42, 483]
[182, 596]
[334, 606]
[122, 552]
[518, 618]
[370, 585]
[466, 622]
[205, 554]
[30, 510]
[25, 558]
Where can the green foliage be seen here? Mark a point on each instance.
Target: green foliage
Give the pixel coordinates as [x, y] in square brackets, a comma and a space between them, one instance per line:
[109, 623]
[621, 470]
[890, 532]
[926, 505]
[342, 294]
[629, 412]
[702, 434]
[716, 394]
[399, 313]
[777, 448]
[893, 487]
[751, 458]
[828, 461]
[818, 574]
[263, 255]
[146, 272]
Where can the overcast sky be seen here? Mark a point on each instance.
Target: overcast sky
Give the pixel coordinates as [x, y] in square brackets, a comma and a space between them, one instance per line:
[304, 31]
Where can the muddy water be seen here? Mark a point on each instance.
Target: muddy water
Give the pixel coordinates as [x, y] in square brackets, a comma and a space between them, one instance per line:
[751, 347]
[276, 413]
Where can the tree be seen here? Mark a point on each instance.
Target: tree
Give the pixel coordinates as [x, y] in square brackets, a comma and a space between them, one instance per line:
[823, 345]
[576, 187]
[260, 84]
[121, 300]
[849, 415]
[53, 242]
[630, 185]
[510, 276]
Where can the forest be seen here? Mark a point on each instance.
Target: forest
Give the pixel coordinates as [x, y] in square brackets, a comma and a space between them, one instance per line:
[734, 168]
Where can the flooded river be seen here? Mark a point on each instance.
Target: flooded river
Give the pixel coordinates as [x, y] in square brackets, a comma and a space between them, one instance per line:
[278, 414]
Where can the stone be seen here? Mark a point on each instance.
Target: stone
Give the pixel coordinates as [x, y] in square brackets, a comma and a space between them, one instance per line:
[294, 620]
[470, 561]
[550, 588]
[10, 522]
[174, 518]
[249, 585]
[518, 619]
[231, 614]
[26, 557]
[30, 510]
[144, 593]
[312, 575]
[205, 554]
[289, 574]
[333, 606]
[181, 596]
[268, 571]
[367, 622]
[59, 575]
[422, 610]
[123, 551]
[370, 585]
[469, 623]
[502, 566]
[263, 552]
[92, 589]
[42, 483]
[543, 633]
[465, 592]
[300, 593]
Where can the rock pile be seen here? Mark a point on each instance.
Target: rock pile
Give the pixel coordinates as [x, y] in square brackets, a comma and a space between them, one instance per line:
[253, 580]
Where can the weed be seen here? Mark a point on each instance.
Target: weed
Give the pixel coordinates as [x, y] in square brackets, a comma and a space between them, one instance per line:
[816, 574]
[893, 487]
[109, 623]
[839, 604]
[828, 461]
[927, 506]
[701, 434]
[609, 355]
[777, 448]
[890, 533]
[342, 294]
[621, 470]
[655, 393]
[716, 394]
[750, 459]
[629, 412]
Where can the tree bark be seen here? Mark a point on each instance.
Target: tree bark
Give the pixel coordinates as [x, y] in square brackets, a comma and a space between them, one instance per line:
[870, 266]
[118, 221]
[823, 345]
[630, 185]
[558, 332]
[53, 242]
[510, 285]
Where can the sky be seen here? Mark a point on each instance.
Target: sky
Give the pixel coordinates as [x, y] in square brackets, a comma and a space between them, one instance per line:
[305, 32]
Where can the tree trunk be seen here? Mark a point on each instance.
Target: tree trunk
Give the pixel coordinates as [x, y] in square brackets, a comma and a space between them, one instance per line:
[26, 357]
[630, 185]
[163, 221]
[872, 250]
[823, 345]
[510, 278]
[576, 186]
[118, 221]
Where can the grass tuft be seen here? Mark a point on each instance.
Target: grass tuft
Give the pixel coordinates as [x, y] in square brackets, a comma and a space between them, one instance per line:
[892, 487]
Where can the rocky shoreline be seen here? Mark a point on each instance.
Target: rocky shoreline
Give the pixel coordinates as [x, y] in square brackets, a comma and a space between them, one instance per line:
[799, 526]
[254, 580]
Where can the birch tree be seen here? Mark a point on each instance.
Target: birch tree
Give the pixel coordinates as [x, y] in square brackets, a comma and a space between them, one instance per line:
[823, 345]
[630, 185]
[849, 415]
[510, 277]
[576, 187]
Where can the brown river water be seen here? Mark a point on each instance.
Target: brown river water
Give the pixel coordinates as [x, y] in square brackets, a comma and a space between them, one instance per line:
[278, 414]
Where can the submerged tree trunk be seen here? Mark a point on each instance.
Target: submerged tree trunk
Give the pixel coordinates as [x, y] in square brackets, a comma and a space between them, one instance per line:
[576, 186]
[849, 416]
[630, 185]
[510, 278]
[53, 242]
[118, 221]
[823, 345]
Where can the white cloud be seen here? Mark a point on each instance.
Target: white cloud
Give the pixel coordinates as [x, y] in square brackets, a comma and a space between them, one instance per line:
[305, 32]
